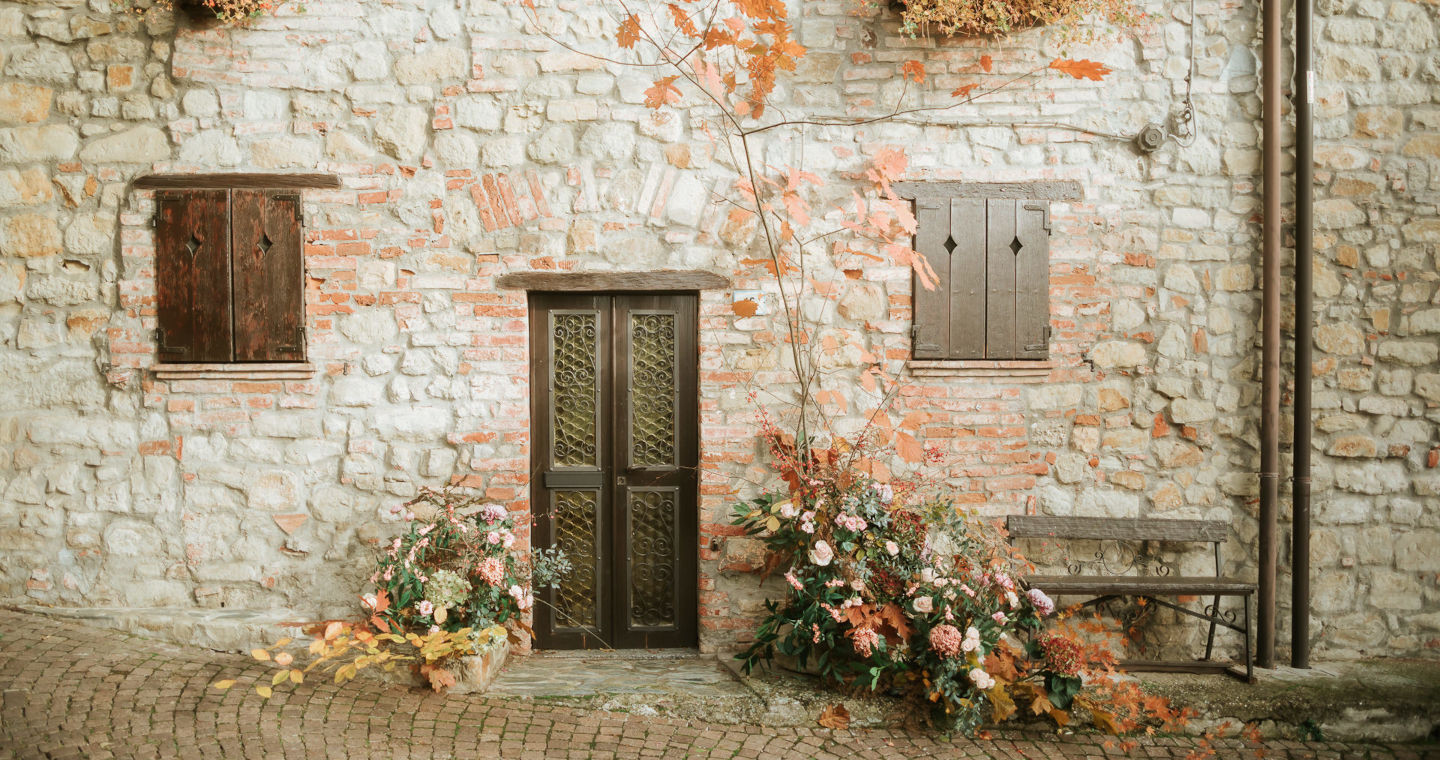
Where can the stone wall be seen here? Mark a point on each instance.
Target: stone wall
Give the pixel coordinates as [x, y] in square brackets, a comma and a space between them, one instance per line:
[470, 145]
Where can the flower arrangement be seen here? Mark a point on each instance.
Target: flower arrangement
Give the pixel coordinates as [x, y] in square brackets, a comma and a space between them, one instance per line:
[890, 587]
[972, 18]
[457, 567]
[224, 11]
[452, 585]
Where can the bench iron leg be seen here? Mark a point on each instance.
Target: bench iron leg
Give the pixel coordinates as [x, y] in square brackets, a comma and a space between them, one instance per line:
[1210, 639]
[1249, 658]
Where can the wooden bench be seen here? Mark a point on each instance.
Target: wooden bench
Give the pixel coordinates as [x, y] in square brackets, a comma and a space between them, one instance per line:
[1144, 575]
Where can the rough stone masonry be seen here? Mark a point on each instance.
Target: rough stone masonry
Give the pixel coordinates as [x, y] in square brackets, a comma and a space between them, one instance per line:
[470, 145]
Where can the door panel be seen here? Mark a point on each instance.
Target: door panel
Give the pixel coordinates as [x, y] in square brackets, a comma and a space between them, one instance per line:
[616, 446]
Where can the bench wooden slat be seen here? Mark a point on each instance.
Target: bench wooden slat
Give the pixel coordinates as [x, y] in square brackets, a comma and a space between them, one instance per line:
[1141, 585]
[1120, 528]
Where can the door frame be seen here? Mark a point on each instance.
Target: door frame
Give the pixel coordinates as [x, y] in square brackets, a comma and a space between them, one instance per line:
[616, 474]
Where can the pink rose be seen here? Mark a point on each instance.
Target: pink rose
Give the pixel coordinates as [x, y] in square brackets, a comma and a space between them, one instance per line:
[924, 604]
[821, 553]
[426, 607]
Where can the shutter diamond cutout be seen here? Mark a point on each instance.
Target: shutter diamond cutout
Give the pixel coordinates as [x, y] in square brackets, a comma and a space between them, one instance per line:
[1015, 246]
[950, 245]
[192, 245]
[264, 244]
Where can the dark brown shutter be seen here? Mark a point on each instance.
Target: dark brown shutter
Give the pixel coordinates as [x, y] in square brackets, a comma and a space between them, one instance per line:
[192, 274]
[967, 278]
[931, 333]
[269, 276]
[1032, 278]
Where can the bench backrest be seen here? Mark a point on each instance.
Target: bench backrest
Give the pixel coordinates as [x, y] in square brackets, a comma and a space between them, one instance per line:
[1117, 528]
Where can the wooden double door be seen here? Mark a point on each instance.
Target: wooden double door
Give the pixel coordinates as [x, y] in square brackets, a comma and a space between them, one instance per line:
[615, 458]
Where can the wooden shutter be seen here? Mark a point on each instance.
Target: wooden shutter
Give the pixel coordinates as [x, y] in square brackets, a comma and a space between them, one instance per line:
[967, 278]
[192, 274]
[1032, 278]
[269, 276]
[1017, 309]
[931, 332]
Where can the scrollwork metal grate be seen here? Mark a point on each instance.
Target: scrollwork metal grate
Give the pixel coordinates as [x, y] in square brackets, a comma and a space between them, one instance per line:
[575, 526]
[652, 558]
[574, 364]
[652, 389]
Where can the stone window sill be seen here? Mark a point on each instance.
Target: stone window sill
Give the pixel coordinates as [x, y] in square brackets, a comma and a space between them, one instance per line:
[256, 371]
[984, 370]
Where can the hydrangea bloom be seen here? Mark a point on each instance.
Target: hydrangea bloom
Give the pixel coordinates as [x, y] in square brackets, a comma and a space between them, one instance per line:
[446, 589]
[945, 640]
[491, 513]
[492, 570]
[864, 640]
[1042, 603]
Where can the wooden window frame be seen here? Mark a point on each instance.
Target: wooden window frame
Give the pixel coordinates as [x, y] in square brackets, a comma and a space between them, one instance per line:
[984, 279]
[230, 305]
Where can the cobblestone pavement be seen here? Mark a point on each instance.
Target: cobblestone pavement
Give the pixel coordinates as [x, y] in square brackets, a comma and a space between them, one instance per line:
[70, 691]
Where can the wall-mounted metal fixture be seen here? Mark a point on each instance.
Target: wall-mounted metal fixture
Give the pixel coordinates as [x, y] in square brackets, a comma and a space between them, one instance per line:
[1150, 138]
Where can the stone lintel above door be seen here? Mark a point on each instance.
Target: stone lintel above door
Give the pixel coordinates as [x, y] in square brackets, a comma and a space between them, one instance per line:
[614, 282]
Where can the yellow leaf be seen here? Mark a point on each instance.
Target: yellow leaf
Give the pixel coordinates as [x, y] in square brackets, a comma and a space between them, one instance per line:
[440, 615]
[835, 716]
[297, 676]
[262, 655]
[317, 646]
[283, 642]
[225, 684]
[263, 691]
[1105, 721]
[1000, 700]
[333, 630]
[1060, 717]
[279, 676]
[773, 523]
[283, 659]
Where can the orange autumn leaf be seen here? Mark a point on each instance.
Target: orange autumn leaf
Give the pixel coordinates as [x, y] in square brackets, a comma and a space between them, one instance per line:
[986, 63]
[745, 307]
[963, 90]
[663, 92]
[629, 33]
[683, 22]
[835, 716]
[914, 71]
[1081, 69]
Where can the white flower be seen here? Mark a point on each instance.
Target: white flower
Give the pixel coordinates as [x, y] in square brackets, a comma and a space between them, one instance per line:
[821, 553]
[857, 585]
[425, 607]
[1012, 599]
[927, 575]
[369, 601]
[982, 680]
[892, 548]
[788, 510]
[924, 604]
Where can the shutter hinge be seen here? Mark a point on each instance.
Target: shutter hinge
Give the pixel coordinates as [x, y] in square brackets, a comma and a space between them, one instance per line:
[1044, 209]
[1044, 345]
[155, 222]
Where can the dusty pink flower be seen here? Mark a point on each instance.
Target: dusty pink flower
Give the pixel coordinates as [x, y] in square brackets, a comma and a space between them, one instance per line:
[492, 513]
[793, 581]
[821, 553]
[999, 617]
[1043, 604]
[982, 680]
[425, 607]
[864, 640]
[946, 640]
[492, 570]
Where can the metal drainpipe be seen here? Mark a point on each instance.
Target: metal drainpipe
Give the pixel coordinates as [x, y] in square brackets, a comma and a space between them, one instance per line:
[1304, 331]
[1274, 29]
